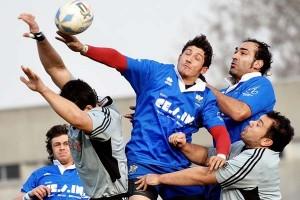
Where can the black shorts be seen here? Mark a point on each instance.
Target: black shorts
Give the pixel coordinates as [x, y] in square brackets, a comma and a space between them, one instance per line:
[123, 196]
[152, 192]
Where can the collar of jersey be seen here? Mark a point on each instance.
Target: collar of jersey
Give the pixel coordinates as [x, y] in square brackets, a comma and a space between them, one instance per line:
[245, 77]
[61, 168]
[199, 84]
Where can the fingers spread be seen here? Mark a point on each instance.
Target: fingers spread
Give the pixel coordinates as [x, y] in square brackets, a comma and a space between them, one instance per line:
[23, 79]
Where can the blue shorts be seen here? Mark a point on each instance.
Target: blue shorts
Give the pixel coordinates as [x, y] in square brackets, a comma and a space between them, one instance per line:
[166, 192]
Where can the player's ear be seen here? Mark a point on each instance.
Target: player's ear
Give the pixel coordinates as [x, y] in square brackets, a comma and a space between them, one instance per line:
[266, 142]
[257, 65]
[203, 70]
[88, 107]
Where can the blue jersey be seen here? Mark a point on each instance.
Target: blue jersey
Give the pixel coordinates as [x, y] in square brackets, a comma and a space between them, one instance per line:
[63, 186]
[257, 92]
[163, 107]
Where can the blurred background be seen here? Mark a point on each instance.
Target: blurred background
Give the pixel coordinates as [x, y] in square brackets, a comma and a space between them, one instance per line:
[140, 29]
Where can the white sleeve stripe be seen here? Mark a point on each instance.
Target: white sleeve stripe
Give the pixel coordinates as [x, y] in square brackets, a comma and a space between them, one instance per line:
[245, 169]
[105, 123]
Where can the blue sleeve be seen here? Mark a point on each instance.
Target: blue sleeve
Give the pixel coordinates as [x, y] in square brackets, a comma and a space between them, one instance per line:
[30, 183]
[211, 113]
[140, 72]
[258, 95]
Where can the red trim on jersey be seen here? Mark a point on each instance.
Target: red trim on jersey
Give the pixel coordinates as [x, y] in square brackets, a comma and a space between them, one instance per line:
[107, 56]
[222, 139]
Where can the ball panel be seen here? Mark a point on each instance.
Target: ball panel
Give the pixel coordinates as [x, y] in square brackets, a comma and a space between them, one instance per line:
[74, 17]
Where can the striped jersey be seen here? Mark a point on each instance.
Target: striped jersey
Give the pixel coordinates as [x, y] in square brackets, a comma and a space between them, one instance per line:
[100, 157]
[250, 174]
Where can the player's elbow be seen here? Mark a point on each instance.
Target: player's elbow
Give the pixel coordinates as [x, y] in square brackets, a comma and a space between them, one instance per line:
[82, 122]
[241, 114]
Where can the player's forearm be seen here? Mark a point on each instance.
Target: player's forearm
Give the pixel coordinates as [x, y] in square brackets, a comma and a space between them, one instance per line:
[107, 56]
[191, 176]
[20, 196]
[53, 63]
[222, 140]
[231, 107]
[195, 153]
[67, 110]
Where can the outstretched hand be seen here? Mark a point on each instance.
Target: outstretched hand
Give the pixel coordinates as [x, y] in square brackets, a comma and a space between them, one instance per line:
[34, 82]
[29, 19]
[71, 41]
[177, 139]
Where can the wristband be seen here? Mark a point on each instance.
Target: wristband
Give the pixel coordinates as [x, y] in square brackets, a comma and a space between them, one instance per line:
[84, 49]
[26, 196]
[37, 36]
[221, 156]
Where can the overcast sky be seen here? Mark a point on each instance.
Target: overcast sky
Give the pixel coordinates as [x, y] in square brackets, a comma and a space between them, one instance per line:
[137, 28]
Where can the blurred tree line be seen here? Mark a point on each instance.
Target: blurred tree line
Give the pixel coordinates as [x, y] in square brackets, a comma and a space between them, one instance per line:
[277, 20]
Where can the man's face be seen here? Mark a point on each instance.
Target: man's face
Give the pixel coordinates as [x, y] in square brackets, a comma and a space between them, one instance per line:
[256, 131]
[243, 60]
[61, 149]
[190, 64]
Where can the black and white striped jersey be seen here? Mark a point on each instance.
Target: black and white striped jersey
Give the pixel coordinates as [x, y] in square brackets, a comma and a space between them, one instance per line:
[100, 157]
[250, 174]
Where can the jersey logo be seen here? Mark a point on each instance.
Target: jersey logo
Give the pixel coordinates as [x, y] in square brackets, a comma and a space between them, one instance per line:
[67, 190]
[169, 81]
[132, 169]
[198, 97]
[176, 113]
[251, 91]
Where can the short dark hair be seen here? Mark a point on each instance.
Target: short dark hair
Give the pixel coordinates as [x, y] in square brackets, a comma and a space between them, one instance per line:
[263, 53]
[53, 132]
[281, 131]
[201, 42]
[80, 93]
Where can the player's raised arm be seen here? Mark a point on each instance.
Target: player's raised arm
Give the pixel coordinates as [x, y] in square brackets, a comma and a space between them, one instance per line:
[50, 59]
[68, 110]
[106, 56]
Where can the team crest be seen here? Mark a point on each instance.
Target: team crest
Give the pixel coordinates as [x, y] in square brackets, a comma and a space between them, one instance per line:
[132, 169]
[251, 91]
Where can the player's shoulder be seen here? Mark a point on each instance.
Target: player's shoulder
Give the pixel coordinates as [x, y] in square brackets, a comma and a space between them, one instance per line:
[259, 80]
[145, 61]
[252, 155]
[51, 168]
[106, 112]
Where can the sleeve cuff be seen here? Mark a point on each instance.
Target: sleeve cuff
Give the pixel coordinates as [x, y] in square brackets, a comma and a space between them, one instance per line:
[222, 156]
